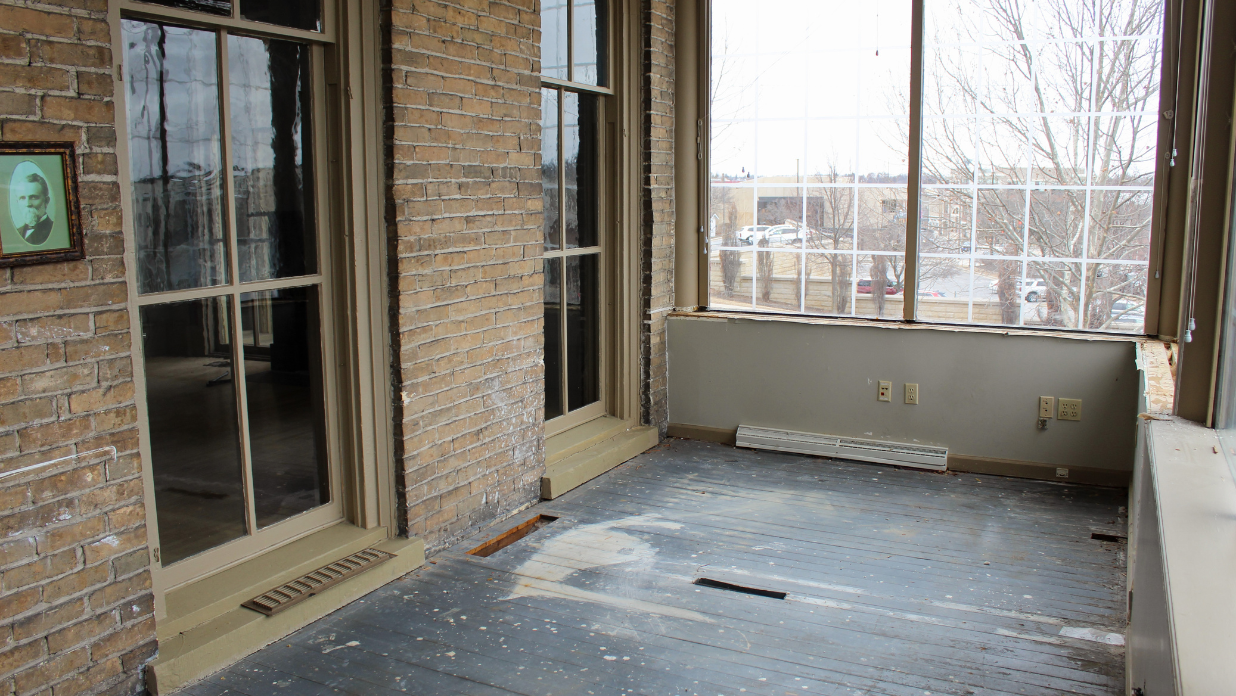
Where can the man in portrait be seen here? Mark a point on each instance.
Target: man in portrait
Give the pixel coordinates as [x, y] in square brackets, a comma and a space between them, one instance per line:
[33, 195]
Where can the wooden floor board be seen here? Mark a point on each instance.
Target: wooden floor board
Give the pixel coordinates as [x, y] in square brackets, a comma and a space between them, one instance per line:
[899, 582]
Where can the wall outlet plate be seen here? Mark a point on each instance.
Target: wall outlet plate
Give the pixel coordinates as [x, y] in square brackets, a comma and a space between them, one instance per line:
[886, 392]
[1047, 406]
[1070, 409]
[911, 393]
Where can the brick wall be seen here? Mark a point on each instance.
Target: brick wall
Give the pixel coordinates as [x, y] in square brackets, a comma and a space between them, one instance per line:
[657, 199]
[464, 224]
[76, 613]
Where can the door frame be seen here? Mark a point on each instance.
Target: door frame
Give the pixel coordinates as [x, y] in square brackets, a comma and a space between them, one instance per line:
[347, 105]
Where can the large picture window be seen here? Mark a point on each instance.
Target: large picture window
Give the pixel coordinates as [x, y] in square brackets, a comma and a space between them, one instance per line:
[1033, 160]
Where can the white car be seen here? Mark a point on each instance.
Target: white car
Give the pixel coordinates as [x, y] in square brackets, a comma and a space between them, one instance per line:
[752, 233]
[1032, 290]
[784, 234]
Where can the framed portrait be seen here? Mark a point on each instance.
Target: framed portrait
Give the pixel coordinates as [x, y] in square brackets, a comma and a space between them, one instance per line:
[39, 217]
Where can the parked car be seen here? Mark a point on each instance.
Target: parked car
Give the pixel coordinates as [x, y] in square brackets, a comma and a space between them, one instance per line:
[864, 287]
[752, 233]
[931, 293]
[1035, 288]
[782, 234]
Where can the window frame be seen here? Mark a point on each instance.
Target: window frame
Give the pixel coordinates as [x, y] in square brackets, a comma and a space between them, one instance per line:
[609, 223]
[1165, 235]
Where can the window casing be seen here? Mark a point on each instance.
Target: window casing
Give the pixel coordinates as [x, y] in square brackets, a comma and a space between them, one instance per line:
[1030, 156]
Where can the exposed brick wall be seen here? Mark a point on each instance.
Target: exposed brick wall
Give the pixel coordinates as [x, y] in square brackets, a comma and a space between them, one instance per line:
[657, 200]
[464, 224]
[76, 610]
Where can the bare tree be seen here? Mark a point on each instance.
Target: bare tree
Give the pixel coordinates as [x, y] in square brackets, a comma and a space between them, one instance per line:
[1034, 128]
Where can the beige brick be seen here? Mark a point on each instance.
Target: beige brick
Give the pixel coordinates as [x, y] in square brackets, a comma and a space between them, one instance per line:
[114, 544]
[42, 569]
[26, 412]
[53, 434]
[101, 398]
[22, 358]
[96, 347]
[49, 619]
[76, 582]
[79, 110]
[37, 22]
[21, 655]
[80, 632]
[53, 328]
[53, 670]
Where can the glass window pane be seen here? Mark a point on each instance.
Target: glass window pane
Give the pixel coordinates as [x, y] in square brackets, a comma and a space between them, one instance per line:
[283, 389]
[300, 14]
[549, 169]
[583, 287]
[214, 7]
[1115, 297]
[554, 38]
[175, 162]
[553, 338]
[1062, 100]
[944, 291]
[590, 42]
[580, 143]
[194, 427]
[780, 280]
[830, 284]
[273, 158]
[880, 278]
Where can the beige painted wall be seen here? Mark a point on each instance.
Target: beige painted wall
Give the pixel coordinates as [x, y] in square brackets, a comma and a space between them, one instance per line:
[978, 391]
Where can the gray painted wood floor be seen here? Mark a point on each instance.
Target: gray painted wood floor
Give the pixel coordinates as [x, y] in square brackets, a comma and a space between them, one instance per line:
[899, 582]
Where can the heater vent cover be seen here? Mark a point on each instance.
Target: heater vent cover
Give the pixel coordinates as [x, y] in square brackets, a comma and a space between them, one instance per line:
[879, 451]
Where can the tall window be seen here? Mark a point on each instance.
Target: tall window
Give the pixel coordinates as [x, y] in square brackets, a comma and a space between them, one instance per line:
[574, 50]
[1035, 174]
[229, 273]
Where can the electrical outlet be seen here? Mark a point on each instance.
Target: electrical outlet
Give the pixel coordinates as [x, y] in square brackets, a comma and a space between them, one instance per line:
[1047, 406]
[911, 393]
[886, 392]
[1070, 409]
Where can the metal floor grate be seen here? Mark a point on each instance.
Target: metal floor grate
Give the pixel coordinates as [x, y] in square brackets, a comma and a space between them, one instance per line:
[302, 588]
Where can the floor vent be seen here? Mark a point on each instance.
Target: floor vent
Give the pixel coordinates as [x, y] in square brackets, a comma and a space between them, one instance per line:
[1108, 537]
[879, 451]
[511, 536]
[730, 587]
[302, 588]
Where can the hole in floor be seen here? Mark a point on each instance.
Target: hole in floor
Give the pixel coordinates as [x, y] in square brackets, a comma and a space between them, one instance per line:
[1108, 537]
[730, 587]
[511, 536]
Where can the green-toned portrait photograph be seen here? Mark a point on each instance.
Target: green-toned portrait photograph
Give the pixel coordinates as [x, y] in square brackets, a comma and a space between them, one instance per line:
[38, 192]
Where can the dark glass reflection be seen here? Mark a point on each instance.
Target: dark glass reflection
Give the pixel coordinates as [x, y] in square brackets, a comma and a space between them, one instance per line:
[583, 331]
[272, 157]
[297, 14]
[554, 38]
[549, 168]
[214, 7]
[553, 338]
[194, 428]
[172, 103]
[590, 45]
[580, 138]
[283, 390]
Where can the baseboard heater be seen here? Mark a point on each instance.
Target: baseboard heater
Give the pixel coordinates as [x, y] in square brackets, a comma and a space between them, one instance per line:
[878, 451]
